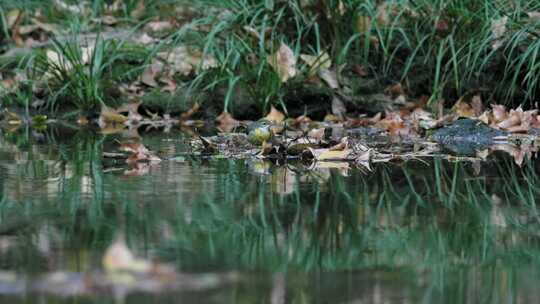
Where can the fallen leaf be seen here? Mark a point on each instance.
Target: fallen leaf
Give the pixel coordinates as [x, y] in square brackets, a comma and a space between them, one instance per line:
[109, 115]
[194, 109]
[316, 134]
[185, 60]
[86, 54]
[56, 59]
[364, 159]
[74, 9]
[139, 10]
[274, 115]
[463, 109]
[330, 77]
[148, 77]
[329, 155]
[338, 107]
[132, 108]
[15, 29]
[284, 62]
[498, 29]
[315, 63]
[226, 122]
[158, 26]
[499, 112]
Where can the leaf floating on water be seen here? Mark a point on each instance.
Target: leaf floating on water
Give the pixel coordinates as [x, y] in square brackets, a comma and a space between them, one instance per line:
[364, 159]
[284, 62]
[328, 155]
[138, 152]
[109, 115]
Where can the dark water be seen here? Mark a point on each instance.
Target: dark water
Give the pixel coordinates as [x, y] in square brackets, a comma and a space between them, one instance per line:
[418, 232]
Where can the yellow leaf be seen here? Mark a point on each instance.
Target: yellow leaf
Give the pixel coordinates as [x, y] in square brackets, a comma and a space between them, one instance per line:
[111, 115]
[327, 154]
[321, 61]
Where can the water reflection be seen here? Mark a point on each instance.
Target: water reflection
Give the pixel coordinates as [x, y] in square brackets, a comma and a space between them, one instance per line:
[415, 232]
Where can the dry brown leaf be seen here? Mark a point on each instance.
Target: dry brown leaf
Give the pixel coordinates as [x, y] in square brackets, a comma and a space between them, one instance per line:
[159, 26]
[275, 115]
[226, 122]
[284, 62]
[330, 77]
[499, 112]
[485, 117]
[364, 159]
[338, 107]
[132, 109]
[463, 109]
[139, 10]
[15, 30]
[148, 76]
[498, 29]
[316, 134]
[194, 109]
[476, 104]
[185, 60]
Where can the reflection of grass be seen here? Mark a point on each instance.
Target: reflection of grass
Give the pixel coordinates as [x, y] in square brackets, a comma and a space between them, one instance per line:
[438, 218]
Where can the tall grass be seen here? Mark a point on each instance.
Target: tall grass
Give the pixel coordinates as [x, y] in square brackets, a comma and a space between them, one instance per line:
[442, 49]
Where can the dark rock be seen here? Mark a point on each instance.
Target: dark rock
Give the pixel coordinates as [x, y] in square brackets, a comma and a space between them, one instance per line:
[466, 136]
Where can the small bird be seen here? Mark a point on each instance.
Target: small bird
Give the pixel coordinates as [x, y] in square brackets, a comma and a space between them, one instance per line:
[260, 132]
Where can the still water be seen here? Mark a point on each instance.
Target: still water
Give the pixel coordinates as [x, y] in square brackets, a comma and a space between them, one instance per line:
[245, 231]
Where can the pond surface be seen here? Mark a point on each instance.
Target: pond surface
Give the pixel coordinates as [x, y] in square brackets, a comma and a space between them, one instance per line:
[250, 231]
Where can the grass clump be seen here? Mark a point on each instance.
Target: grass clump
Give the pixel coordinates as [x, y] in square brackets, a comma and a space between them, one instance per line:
[87, 76]
[433, 48]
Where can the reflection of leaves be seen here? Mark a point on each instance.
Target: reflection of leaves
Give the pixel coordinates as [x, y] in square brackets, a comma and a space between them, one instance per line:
[284, 180]
[118, 257]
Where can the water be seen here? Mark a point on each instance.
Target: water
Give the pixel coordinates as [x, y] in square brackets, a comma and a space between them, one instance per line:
[242, 231]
